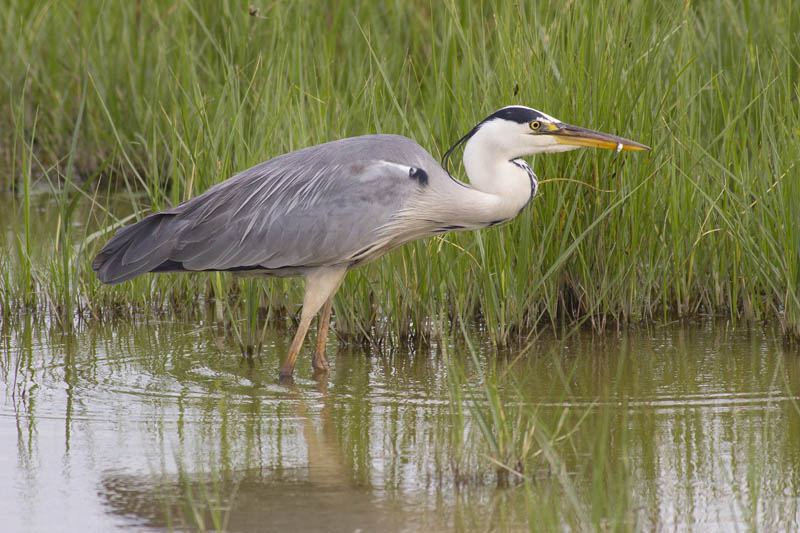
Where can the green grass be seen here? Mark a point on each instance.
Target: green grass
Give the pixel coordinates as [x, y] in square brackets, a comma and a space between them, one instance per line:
[575, 434]
[150, 103]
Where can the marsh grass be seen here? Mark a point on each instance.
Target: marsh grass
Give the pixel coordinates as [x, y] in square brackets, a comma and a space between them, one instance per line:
[152, 103]
[197, 500]
[555, 458]
[578, 464]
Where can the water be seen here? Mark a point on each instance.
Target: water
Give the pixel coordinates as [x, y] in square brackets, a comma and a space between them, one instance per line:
[162, 425]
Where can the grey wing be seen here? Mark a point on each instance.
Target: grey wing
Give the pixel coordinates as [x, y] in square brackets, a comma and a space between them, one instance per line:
[324, 218]
[326, 205]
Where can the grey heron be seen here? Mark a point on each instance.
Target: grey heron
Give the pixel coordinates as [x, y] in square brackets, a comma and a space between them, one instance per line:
[321, 211]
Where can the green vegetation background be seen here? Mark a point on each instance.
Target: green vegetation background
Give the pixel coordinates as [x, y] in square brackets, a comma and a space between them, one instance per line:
[116, 109]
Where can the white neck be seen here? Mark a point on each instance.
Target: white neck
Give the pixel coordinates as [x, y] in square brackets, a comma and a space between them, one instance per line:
[501, 186]
[489, 166]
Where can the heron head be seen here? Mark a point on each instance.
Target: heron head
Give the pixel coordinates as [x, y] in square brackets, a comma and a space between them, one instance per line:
[517, 131]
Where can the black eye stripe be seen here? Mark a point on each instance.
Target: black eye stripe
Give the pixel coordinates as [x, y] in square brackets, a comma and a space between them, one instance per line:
[518, 114]
[522, 115]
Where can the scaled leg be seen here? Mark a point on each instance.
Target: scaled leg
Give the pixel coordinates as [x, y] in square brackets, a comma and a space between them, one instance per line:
[321, 285]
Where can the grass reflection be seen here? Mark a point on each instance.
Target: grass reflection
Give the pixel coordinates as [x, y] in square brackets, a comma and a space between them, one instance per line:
[652, 429]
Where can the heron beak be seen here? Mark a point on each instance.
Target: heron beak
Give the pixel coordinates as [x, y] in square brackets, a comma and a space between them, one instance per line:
[576, 136]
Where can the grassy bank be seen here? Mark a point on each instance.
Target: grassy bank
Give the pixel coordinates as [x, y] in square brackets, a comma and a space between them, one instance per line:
[151, 103]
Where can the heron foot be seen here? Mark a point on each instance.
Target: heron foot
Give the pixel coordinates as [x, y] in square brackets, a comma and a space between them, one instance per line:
[320, 364]
[286, 376]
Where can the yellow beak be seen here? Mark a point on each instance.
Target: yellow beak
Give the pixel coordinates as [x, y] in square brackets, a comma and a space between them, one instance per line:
[577, 136]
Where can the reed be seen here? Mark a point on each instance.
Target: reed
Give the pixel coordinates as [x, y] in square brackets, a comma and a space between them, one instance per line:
[160, 101]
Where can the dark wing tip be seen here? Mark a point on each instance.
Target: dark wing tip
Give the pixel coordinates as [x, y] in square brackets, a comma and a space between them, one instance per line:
[99, 261]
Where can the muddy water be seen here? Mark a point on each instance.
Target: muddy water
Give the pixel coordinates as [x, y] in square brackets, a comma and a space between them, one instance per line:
[161, 425]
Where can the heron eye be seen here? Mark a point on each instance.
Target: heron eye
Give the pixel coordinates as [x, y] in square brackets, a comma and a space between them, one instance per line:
[535, 125]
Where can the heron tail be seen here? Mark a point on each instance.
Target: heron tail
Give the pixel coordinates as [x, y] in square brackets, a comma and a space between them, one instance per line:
[137, 249]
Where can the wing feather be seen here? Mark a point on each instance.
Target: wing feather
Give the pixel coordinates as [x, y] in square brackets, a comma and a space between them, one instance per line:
[317, 206]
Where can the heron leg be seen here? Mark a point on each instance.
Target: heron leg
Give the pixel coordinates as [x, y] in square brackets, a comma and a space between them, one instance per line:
[321, 285]
[320, 362]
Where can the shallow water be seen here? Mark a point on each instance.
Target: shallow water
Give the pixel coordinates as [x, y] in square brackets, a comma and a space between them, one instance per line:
[162, 425]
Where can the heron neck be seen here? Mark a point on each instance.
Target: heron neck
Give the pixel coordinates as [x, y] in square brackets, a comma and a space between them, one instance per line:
[491, 171]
